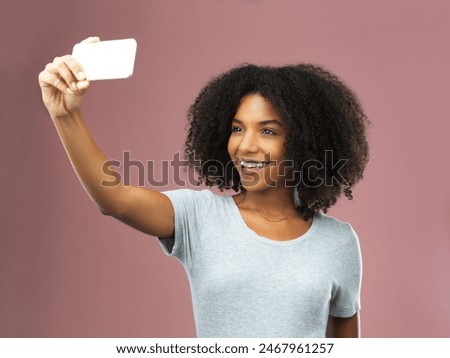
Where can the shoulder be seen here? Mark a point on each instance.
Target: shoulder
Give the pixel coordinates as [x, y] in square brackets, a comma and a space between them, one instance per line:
[337, 231]
[188, 194]
[341, 242]
[190, 200]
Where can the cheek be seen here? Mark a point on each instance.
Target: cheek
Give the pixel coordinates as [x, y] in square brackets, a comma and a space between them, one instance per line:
[275, 172]
[280, 167]
[232, 145]
[276, 151]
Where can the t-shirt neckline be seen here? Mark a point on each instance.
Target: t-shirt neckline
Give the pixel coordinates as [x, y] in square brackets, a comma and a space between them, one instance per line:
[240, 220]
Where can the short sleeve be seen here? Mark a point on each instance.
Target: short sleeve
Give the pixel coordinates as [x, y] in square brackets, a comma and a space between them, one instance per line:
[346, 298]
[191, 208]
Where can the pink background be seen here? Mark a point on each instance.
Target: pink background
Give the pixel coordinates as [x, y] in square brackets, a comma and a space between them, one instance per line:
[68, 271]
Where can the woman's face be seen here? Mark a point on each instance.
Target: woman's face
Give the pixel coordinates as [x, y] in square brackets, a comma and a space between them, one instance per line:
[256, 144]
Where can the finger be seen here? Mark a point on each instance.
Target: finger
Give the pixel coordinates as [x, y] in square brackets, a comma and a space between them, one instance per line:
[51, 68]
[65, 73]
[75, 67]
[91, 39]
[48, 79]
[82, 87]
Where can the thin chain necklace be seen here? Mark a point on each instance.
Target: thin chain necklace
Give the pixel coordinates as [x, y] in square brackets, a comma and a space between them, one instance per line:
[272, 221]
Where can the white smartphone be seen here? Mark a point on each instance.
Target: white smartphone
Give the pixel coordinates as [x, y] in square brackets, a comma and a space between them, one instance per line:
[106, 60]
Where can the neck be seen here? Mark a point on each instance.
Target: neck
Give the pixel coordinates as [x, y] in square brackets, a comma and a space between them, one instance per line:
[275, 201]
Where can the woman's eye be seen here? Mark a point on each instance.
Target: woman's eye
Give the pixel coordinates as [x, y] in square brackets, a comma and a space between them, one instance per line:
[268, 131]
[236, 129]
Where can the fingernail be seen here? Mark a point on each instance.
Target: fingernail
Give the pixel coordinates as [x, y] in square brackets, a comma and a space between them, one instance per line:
[82, 84]
[69, 91]
[73, 85]
[81, 75]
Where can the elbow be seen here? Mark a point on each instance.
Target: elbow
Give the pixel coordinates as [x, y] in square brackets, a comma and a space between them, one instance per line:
[105, 211]
[111, 211]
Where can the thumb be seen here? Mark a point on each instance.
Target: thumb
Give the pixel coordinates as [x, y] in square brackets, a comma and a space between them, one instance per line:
[91, 39]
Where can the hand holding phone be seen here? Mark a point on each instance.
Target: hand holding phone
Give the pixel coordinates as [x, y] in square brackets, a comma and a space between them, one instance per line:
[106, 60]
[64, 81]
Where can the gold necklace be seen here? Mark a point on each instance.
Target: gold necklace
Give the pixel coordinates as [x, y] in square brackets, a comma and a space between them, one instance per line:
[272, 221]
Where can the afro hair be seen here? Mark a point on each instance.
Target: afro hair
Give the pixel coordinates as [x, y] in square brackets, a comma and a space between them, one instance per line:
[322, 116]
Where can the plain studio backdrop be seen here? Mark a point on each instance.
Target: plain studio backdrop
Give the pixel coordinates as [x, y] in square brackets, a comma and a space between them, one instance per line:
[68, 271]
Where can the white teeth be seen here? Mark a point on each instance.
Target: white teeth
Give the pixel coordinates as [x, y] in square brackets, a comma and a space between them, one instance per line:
[252, 164]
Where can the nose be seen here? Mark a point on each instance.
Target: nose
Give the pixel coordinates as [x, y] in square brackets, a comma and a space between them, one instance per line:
[249, 143]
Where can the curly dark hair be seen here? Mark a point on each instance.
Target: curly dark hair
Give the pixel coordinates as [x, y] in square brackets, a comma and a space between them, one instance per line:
[321, 114]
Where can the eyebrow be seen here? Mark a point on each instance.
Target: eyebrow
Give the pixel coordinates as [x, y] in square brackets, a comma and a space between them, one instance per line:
[262, 123]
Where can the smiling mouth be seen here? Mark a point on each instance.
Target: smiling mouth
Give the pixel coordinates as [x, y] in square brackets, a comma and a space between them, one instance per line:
[251, 167]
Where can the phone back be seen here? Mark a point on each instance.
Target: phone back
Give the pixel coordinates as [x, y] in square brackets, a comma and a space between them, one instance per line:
[106, 59]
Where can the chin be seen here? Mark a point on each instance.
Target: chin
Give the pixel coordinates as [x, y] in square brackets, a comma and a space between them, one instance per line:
[251, 186]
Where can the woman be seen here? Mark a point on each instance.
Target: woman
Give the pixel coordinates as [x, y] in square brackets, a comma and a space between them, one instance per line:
[264, 262]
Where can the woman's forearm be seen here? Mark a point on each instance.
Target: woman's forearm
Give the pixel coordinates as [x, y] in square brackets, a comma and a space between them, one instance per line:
[89, 162]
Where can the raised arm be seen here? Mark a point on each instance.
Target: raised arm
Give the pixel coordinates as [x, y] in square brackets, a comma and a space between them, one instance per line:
[63, 85]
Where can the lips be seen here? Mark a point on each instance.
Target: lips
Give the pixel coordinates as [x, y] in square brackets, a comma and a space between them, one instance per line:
[248, 166]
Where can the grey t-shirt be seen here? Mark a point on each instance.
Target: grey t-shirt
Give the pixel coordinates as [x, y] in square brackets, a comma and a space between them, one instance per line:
[245, 285]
